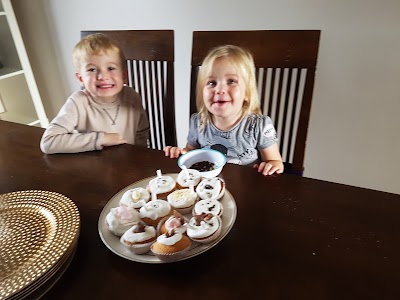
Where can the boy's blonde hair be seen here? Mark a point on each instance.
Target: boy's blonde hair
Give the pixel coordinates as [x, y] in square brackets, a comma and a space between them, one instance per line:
[95, 44]
[243, 61]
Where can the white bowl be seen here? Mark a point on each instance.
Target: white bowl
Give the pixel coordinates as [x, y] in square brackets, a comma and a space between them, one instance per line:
[199, 155]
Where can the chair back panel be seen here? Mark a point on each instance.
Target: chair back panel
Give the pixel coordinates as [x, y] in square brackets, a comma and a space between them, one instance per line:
[285, 68]
[150, 64]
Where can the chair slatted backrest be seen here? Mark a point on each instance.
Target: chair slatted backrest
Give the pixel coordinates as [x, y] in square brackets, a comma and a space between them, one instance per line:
[285, 69]
[150, 62]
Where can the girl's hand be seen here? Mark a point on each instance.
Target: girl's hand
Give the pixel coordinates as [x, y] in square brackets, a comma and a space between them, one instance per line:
[174, 152]
[112, 139]
[271, 161]
[270, 167]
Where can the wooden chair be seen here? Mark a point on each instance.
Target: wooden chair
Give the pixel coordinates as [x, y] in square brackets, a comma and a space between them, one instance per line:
[285, 68]
[150, 61]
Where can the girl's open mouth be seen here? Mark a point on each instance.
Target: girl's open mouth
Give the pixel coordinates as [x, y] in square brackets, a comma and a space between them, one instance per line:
[105, 86]
[220, 102]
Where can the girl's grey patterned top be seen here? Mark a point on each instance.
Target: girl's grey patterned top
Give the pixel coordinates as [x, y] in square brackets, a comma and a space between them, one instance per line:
[239, 144]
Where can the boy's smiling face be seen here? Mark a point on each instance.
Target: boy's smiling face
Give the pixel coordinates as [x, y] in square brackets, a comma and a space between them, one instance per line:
[102, 76]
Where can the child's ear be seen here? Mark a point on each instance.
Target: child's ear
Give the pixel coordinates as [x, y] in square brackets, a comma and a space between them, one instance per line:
[79, 77]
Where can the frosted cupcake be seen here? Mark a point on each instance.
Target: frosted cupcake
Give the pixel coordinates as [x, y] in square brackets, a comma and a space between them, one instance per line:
[183, 200]
[135, 198]
[186, 179]
[162, 185]
[139, 238]
[204, 228]
[212, 206]
[211, 188]
[120, 219]
[154, 210]
[175, 222]
[171, 246]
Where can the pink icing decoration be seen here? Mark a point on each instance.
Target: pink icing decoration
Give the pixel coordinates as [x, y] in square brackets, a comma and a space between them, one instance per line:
[124, 213]
[173, 223]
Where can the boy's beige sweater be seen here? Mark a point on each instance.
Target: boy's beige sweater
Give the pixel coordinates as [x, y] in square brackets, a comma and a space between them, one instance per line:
[81, 123]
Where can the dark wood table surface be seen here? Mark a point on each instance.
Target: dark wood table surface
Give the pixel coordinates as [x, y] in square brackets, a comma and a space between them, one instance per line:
[294, 237]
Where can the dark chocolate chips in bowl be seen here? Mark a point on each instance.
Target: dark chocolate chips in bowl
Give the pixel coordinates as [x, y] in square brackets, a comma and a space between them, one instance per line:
[203, 166]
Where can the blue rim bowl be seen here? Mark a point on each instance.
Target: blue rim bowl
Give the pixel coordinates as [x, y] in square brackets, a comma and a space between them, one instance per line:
[198, 155]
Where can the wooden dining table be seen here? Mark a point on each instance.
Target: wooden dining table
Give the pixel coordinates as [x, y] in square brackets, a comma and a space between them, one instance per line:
[293, 237]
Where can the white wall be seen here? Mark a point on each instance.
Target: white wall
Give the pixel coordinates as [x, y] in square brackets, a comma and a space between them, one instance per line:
[353, 135]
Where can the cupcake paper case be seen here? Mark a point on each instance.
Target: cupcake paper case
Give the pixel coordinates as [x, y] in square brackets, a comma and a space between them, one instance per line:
[139, 238]
[171, 246]
[204, 228]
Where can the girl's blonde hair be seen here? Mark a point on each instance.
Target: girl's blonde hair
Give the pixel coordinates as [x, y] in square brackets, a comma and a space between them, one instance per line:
[243, 61]
[95, 44]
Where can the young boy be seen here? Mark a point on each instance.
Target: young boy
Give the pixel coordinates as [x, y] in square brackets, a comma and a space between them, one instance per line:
[105, 112]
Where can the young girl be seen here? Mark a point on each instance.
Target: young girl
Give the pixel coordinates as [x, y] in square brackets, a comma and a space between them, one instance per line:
[105, 112]
[229, 117]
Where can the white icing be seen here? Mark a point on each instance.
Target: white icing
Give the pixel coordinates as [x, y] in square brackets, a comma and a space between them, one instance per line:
[205, 229]
[135, 198]
[173, 223]
[155, 209]
[121, 218]
[169, 241]
[210, 188]
[133, 237]
[208, 206]
[182, 198]
[162, 184]
[184, 181]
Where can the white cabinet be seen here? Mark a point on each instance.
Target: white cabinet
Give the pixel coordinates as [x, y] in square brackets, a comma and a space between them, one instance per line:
[20, 100]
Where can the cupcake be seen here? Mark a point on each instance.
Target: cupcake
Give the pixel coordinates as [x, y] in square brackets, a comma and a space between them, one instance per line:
[204, 228]
[120, 219]
[135, 198]
[186, 179]
[162, 185]
[212, 206]
[183, 200]
[213, 188]
[139, 238]
[153, 211]
[171, 246]
[175, 222]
